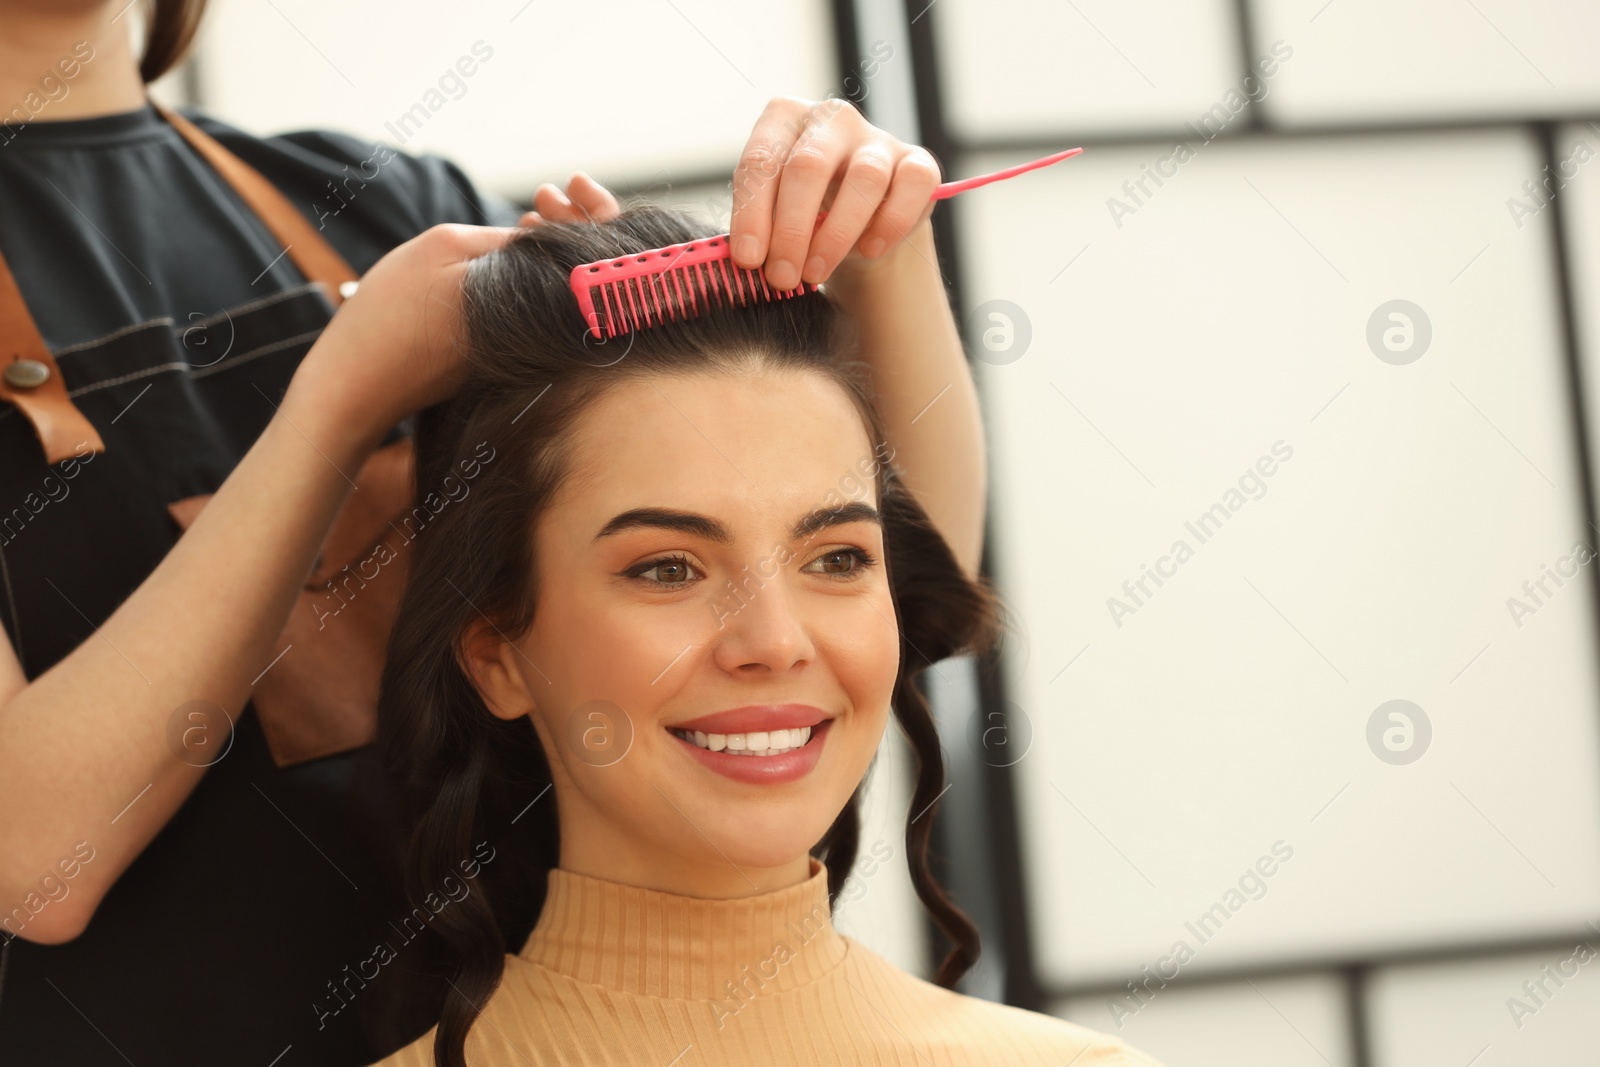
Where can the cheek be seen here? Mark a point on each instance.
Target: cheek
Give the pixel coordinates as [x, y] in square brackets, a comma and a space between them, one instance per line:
[593, 645]
[863, 656]
[862, 649]
[601, 682]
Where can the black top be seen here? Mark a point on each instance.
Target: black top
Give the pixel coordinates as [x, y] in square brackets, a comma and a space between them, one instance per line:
[236, 937]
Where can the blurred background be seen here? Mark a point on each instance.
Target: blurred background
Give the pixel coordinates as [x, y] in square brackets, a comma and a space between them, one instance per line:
[1291, 757]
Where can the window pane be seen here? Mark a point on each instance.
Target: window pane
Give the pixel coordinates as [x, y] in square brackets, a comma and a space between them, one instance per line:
[1362, 60]
[1359, 500]
[1539, 1008]
[1292, 1022]
[1014, 69]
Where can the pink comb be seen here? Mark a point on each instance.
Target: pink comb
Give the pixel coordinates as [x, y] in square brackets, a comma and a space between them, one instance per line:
[678, 281]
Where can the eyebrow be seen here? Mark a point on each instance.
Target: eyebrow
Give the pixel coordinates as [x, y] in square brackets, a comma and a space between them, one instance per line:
[710, 529]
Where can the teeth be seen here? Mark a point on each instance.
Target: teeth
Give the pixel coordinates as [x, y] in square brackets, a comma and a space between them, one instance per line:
[754, 743]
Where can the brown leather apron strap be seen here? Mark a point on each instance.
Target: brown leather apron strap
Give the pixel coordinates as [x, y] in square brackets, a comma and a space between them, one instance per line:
[307, 248]
[29, 375]
[32, 381]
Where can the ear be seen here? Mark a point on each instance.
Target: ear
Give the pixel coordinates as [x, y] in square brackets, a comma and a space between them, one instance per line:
[494, 666]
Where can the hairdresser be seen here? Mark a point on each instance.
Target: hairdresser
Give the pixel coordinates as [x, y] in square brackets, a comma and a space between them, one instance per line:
[184, 877]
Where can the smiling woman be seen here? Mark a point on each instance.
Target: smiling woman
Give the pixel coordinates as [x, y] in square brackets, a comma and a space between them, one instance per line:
[560, 633]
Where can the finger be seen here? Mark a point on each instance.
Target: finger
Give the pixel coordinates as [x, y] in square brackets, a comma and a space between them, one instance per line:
[552, 204]
[755, 179]
[469, 242]
[866, 180]
[815, 159]
[594, 199]
[530, 218]
[916, 177]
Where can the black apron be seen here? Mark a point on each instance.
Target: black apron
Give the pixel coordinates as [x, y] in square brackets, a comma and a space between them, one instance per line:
[225, 941]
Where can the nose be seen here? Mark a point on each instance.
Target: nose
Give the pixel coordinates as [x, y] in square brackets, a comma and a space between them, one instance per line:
[762, 627]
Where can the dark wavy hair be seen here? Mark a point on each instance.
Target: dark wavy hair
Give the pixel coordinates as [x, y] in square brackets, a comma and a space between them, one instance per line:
[465, 776]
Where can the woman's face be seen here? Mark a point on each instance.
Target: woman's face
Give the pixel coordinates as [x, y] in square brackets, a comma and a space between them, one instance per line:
[714, 549]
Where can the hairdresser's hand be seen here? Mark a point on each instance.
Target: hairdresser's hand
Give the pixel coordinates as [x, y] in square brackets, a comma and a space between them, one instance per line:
[393, 347]
[805, 156]
[585, 199]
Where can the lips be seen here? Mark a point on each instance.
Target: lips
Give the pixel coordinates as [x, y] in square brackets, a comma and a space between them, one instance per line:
[755, 718]
[757, 769]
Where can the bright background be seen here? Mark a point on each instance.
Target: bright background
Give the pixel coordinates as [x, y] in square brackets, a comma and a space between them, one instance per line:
[1136, 763]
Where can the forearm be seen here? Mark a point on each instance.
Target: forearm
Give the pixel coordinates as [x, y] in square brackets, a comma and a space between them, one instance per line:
[924, 386]
[84, 748]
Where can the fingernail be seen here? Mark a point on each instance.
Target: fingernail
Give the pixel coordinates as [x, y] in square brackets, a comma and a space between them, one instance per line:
[873, 247]
[778, 272]
[747, 249]
[814, 268]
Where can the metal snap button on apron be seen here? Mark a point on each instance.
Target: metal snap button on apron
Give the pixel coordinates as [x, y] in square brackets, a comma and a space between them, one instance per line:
[26, 374]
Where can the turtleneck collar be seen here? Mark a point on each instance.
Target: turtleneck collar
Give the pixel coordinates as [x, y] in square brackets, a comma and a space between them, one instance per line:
[647, 942]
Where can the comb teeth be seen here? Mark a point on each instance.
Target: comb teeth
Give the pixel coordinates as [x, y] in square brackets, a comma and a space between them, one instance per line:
[619, 296]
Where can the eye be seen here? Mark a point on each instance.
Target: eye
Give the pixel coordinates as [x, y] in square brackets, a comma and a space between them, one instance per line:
[673, 570]
[847, 563]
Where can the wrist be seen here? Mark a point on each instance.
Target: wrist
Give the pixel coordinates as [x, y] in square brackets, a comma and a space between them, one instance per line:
[911, 262]
[338, 426]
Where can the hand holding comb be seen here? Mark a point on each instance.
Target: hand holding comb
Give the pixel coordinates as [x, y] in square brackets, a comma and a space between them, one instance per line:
[618, 296]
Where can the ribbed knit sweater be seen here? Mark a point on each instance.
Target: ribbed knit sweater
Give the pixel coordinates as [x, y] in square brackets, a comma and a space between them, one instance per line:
[621, 975]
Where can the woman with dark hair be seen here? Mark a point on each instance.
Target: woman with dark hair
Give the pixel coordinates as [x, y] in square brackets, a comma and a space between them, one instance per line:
[638, 675]
[190, 405]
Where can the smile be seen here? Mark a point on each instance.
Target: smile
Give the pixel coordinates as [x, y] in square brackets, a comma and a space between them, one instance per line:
[756, 757]
[763, 743]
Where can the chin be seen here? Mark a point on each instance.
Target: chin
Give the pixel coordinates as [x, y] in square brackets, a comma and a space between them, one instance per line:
[769, 833]
[757, 831]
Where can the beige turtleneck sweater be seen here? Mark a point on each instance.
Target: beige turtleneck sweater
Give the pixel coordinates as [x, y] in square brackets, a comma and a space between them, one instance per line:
[620, 975]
